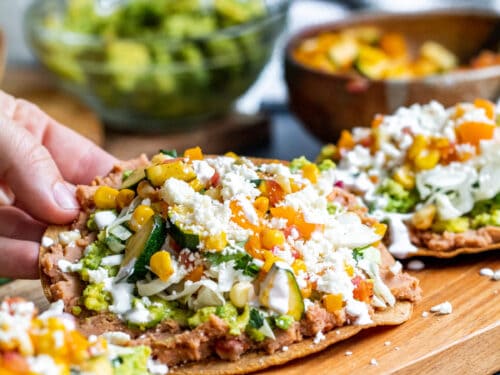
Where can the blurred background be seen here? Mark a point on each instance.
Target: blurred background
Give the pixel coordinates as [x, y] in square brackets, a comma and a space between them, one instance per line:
[266, 129]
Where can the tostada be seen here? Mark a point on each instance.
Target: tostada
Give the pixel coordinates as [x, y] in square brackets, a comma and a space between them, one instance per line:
[224, 264]
[432, 173]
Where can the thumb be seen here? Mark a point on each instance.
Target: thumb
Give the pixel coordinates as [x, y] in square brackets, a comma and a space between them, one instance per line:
[33, 176]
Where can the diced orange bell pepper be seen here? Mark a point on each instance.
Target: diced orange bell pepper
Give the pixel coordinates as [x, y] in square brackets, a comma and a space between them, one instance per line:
[194, 153]
[294, 218]
[473, 132]
[254, 247]
[346, 141]
[377, 121]
[195, 274]
[238, 216]
[307, 291]
[273, 191]
[364, 291]
[394, 44]
[489, 107]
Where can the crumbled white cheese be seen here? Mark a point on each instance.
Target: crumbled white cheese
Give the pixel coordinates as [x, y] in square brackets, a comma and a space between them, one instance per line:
[415, 265]
[285, 348]
[97, 276]
[204, 172]
[373, 362]
[318, 338]
[488, 272]
[47, 241]
[425, 314]
[116, 337]
[43, 364]
[496, 276]
[443, 308]
[69, 237]
[348, 353]
[387, 343]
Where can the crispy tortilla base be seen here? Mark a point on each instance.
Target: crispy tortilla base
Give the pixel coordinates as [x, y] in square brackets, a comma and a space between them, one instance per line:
[422, 252]
[51, 232]
[256, 361]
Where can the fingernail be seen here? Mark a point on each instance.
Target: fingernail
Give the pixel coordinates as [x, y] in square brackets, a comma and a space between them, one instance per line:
[64, 194]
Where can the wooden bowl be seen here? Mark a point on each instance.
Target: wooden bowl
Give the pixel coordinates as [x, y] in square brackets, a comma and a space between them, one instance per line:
[3, 53]
[328, 103]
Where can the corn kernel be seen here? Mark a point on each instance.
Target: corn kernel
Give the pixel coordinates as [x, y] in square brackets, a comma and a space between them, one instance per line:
[241, 293]
[124, 198]
[271, 238]
[349, 269]
[307, 291]
[405, 176]
[216, 242]
[298, 265]
[105, 197]
[159, 159]
[140, 216]
[261, 204]
[161, 265]
[196, 184]
[420, 143]
[270, 259]
[423, 218]
[311, 172]
[427, 159]
[380, 229]
[231, 154]
[194, 153]
[333, 302]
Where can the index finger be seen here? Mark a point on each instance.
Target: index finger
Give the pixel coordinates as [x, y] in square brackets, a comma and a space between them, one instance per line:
[78, 159]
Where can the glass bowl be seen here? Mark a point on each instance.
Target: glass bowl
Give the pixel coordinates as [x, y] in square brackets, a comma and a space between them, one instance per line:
[154, 82]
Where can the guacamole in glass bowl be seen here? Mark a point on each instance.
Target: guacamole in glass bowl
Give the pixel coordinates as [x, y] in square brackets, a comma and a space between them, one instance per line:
[155, 64]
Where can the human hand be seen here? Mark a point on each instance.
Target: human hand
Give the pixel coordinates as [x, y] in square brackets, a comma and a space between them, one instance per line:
[40, 161]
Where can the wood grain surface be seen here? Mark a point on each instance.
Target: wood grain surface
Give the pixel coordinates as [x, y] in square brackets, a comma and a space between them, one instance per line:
[467, 341]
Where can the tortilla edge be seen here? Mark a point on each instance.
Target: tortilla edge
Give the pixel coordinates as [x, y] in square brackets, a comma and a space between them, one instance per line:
[256, 361]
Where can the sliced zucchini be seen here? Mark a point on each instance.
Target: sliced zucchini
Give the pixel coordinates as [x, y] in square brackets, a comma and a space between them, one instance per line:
[142, 245]
[120, 232]
[158, 174]
[182, 237]
[133, 179]
[280, 292]
[114, 244]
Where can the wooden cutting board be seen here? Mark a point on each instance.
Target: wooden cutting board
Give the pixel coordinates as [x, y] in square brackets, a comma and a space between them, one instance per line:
[467, 341]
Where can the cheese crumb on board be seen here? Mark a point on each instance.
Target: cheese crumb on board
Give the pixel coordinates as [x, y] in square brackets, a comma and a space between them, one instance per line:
[415, 265]
[443, 308]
